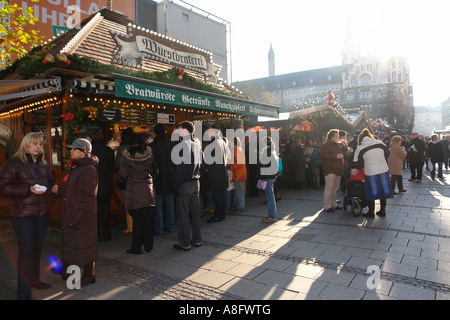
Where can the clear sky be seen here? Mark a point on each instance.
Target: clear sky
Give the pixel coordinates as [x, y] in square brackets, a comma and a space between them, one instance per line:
[310, 34]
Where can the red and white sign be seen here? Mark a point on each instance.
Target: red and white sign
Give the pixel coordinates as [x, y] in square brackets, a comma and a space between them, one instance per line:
[56, 13]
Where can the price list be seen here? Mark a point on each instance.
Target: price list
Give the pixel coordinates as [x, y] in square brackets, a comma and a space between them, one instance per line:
[129, 116]
[133, 116]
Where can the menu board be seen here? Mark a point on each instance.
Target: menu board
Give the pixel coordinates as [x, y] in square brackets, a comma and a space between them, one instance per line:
[150, 117]
[128, 116]
[133, 116]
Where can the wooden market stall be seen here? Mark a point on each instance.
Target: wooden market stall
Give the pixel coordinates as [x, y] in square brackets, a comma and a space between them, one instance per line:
[111, 74]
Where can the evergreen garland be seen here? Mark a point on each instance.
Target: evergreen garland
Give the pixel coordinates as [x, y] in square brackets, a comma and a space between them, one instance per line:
[31, 66]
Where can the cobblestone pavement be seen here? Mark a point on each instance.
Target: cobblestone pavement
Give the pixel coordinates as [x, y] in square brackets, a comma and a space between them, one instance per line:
[307, 254]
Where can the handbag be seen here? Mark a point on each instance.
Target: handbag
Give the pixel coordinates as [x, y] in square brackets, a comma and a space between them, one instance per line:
[261, 184]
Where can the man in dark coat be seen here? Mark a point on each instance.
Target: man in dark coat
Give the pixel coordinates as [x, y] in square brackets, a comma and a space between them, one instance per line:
[435, 154]
[216, 172]
[445, 142]
[162, 150]
[105, 171]
[187, 156]
[416, 153]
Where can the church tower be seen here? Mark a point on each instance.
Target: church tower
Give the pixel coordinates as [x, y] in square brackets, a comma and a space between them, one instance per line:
[271, 56]
[349, 54]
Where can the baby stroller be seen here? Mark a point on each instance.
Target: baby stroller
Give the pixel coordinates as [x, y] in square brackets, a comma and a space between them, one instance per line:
[355, 197]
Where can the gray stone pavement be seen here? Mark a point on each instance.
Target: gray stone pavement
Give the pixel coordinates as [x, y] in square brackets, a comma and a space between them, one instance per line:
[306, 255]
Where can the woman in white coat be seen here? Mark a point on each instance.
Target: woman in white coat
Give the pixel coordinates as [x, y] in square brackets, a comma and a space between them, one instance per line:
[373, 155]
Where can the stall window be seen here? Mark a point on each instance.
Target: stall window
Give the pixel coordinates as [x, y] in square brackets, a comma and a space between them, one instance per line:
[36, 114]
[47, 121]
[40, 128]
[35, 122]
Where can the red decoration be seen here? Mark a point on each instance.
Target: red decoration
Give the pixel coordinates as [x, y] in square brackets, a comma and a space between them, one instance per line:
[68, 116]
[68, 164]
[66, 177]
[331, 98]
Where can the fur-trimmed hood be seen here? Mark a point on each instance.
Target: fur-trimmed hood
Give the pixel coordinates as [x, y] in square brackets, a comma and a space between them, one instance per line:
[138, 156]
[137, 171]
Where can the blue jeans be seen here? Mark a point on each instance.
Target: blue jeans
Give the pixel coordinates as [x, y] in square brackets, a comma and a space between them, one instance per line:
[30, 232]
[166, 200]
[239, 195]
[227, 198]
[270, 197]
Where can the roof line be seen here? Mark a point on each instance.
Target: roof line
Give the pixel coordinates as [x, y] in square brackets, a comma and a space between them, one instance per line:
[73, 44]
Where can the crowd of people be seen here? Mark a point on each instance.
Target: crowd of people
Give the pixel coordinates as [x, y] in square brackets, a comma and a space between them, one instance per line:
[166, 184]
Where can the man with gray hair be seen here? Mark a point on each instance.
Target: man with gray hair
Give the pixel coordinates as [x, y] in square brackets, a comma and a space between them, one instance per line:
[187, 157]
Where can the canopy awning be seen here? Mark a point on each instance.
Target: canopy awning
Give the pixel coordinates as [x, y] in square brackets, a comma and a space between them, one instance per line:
[95, 84]
[13, 89]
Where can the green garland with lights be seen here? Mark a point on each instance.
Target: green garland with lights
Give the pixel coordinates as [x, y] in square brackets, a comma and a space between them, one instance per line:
[80, 114]
[35, 63]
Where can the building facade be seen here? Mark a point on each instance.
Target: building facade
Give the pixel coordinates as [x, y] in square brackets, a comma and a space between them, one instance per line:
[187, 23]
[427, 120]
[445, 107]
[381, 87]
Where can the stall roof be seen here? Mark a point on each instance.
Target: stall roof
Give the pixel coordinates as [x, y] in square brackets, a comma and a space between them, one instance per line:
[281, 116]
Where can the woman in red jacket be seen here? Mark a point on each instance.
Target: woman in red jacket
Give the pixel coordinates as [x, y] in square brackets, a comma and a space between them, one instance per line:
[28, 182]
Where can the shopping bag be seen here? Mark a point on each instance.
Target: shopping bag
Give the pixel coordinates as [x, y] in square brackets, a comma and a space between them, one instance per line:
[430, 166]
[261, 184]
[280, 166]
[230, 180]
